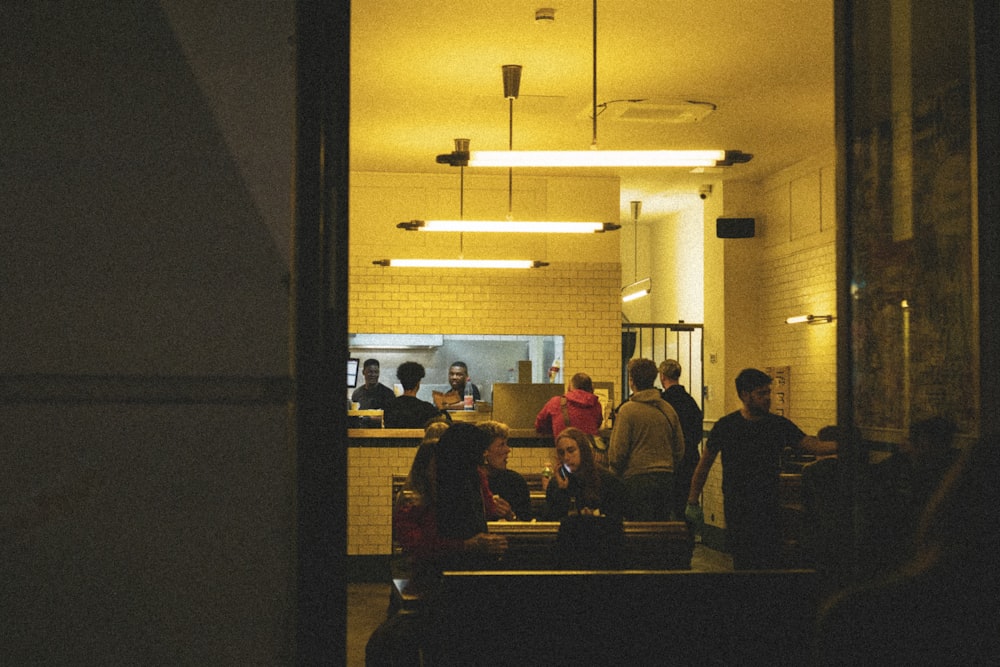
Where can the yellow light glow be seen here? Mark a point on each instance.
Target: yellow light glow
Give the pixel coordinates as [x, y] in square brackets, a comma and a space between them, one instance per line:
[510, 226]
[462, 263]
[596, 158]
[809, 319]
[635, 295]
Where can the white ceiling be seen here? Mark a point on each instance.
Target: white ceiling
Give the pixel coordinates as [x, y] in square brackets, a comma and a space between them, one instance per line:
[426, 72]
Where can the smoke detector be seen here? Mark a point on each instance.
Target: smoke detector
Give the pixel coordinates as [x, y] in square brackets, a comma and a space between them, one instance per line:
[545, 15]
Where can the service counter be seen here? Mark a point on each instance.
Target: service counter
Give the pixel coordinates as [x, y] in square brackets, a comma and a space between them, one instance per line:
[411, 437]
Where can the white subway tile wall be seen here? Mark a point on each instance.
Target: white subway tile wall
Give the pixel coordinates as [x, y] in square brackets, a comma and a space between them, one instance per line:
[577, 301]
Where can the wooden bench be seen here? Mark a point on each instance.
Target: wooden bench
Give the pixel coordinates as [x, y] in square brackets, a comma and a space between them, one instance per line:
[536, 491]
[662, 545]
[628, 617]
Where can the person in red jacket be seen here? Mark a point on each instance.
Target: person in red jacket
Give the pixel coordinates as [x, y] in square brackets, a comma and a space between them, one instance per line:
[578, 407]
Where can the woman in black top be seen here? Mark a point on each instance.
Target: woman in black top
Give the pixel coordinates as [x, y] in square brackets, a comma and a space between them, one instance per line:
[581, 485]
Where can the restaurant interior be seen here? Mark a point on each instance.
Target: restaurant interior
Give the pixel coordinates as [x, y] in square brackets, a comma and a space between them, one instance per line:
[209, 211]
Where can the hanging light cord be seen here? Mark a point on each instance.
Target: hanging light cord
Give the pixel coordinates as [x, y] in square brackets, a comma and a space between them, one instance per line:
[593, 143]
[510, 170]
[635, 249]
[461, 210]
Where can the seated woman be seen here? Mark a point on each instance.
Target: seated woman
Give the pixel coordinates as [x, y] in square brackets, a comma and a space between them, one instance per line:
[581, 485]
[413, 522]
[439, 518]
[510, 492]
[439, 521]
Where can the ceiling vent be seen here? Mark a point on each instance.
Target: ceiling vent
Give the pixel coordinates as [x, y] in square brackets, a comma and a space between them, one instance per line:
[653, 112]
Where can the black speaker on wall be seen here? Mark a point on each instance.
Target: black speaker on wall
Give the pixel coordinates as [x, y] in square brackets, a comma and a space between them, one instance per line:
[734, 228]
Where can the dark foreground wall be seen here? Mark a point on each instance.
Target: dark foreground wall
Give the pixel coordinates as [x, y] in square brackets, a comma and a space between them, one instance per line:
[623, 618]
[146, 494]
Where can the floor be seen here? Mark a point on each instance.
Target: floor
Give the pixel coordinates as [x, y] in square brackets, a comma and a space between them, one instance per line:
[367, 602]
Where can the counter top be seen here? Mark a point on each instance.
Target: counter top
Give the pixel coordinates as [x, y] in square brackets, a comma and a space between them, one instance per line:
[409, 433]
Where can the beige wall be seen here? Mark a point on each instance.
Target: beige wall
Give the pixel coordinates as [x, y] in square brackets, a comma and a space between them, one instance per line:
[787, 269]
[752, 285]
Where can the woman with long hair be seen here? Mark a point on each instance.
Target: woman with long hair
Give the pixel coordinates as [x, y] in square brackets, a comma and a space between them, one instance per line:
[439, 518]
[580, 485]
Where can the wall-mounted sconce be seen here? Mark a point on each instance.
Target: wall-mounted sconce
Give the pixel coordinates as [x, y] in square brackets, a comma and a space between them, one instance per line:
[809, 319]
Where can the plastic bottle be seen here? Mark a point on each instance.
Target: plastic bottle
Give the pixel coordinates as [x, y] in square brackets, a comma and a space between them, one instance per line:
[554, 370]
[468, 401]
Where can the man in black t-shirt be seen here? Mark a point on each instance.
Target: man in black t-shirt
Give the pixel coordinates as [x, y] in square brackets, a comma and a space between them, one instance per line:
[691, 424]
[408, 411]
[751, 441]
[372, 395]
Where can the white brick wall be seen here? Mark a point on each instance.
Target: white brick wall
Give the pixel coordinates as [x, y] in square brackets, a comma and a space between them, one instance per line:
[577, 301]
[787, 269]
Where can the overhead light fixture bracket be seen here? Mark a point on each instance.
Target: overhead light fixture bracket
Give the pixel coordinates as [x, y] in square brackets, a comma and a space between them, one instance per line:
[511, 81]
[734, 157]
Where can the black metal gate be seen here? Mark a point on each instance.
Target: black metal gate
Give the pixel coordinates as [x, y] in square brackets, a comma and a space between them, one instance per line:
[659, 342]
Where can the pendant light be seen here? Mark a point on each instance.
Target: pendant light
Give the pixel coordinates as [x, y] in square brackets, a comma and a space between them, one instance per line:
[639, 288]
[461, 262]
[511, 89]
[594, 157]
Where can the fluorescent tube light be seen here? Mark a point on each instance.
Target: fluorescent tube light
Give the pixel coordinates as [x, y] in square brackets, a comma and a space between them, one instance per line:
[635, 295]
[462, 263]
[637, 290]
[809, 319]
[508, 226]
[596, 158]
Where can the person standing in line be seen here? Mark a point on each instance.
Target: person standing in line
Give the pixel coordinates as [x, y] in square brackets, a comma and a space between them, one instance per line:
[690, 415]
[751, 440]
[579, 407]
[408, 411]
[647, 444]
